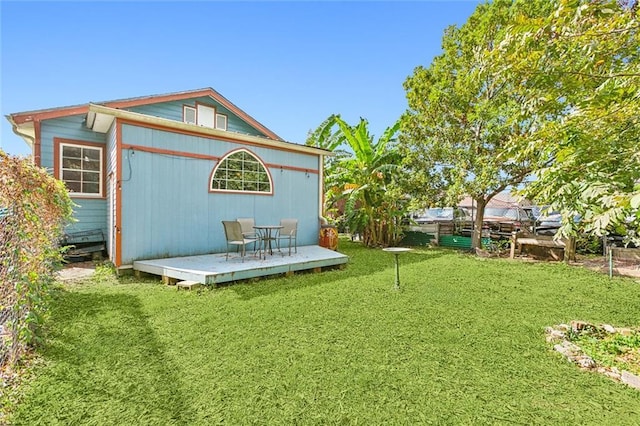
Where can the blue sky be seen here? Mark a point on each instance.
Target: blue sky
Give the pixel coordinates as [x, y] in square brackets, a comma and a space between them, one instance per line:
[287, 64]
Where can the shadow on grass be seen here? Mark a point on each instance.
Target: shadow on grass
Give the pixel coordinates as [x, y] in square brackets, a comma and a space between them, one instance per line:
[107, 365]
[363, 261]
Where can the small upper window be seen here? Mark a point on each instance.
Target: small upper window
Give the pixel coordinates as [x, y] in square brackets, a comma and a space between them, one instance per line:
[241, 171]
[205, 116]
[221, 121]
[189, 114]
[81, 169]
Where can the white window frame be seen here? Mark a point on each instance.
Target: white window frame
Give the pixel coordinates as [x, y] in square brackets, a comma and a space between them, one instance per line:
[100, 171]
[219, 118]
[206, 116]
[186, 108]
[231, 175]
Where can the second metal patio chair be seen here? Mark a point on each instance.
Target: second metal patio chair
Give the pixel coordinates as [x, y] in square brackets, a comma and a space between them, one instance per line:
[248, 230]
[289, 232]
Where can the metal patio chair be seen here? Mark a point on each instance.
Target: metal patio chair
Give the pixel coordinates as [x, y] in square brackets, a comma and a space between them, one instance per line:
[289, 233]
[247, 224]
[234, 236]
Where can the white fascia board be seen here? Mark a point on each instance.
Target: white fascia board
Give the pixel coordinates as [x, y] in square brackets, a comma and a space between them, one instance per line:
[178, 125]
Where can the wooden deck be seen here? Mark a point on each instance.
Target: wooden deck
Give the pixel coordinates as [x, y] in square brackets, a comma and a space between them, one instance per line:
[214, 269]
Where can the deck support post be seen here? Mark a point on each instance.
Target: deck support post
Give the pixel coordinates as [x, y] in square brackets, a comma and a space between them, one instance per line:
[168, 280]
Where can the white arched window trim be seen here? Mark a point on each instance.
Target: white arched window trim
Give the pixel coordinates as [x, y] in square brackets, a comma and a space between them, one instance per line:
[241, 171]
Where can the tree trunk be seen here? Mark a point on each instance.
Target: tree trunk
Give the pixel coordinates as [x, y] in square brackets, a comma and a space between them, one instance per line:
[476, 240]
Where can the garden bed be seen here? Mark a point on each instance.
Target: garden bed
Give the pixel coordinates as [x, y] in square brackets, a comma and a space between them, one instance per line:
[612, 351]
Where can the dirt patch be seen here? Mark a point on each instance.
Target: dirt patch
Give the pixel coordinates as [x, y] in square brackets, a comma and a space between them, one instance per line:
[627, 268]
[76, 271]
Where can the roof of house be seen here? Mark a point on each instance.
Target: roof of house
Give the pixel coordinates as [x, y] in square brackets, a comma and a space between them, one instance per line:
[44, 114]
[503, 199]
[23, 122]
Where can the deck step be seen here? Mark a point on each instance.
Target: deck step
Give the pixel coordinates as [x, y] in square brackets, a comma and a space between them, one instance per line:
[189, 285]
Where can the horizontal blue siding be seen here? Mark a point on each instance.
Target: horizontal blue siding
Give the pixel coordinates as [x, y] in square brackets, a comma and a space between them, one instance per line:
[173, 111]
[89, 214]
[72, 127]
[168, 211]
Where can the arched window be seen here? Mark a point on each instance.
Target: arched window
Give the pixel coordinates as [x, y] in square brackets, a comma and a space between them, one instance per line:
[241, 171]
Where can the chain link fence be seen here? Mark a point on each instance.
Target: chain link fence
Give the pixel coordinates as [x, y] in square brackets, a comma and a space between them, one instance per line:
[9, 276]
[33, 208]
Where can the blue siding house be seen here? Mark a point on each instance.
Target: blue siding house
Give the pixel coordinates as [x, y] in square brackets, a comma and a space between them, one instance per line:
[158, 174]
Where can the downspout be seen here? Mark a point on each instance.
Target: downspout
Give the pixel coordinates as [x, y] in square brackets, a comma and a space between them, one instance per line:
[323, 220]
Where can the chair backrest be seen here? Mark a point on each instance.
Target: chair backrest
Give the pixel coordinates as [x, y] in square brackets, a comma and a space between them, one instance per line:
[289, 226]
[232, 230]
[247, 224]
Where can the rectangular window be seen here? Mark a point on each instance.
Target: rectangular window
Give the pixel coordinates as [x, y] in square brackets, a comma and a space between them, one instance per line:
[81, 169]
[206, 116]
[221, 121]
[189, 114]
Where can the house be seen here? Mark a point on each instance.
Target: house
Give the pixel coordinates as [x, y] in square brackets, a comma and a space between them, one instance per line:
[157, 174]
[502, 199]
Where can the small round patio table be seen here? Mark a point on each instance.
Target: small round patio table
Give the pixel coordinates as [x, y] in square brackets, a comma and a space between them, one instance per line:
[266, 235]
[396, 251]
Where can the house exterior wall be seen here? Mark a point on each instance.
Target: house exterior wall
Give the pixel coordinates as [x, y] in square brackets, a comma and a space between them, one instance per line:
[90, 213]
[173, 111]
[156, 199]
[168, 210]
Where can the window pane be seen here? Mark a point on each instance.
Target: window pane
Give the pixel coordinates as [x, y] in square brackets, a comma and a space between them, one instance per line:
[264, 187]
[91, 154]
[234, 164]
[216, 184]
[252, 166]
[90, 177]
[91, 165]
[71, 175]
[71, 151]
[234, 185]
[69, 163]
[91, 188]
[73, 186]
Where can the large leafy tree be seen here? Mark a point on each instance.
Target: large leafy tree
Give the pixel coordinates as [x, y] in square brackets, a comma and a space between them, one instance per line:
[464, 118]
[362, 180]
[580, 65]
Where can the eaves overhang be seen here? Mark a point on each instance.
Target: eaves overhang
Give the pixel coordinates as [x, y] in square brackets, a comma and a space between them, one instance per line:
[27, 130]
[100, 118]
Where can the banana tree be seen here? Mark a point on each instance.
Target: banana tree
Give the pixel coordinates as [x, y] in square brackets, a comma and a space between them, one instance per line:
[363, 179]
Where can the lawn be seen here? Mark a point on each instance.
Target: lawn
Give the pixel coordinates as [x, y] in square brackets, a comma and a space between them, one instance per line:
[462, 343]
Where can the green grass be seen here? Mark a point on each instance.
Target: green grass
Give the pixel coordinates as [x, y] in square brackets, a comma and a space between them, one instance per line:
[461, 343]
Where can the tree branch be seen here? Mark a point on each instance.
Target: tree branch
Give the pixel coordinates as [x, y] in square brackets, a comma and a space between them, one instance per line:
[583, 74]
[603, 33]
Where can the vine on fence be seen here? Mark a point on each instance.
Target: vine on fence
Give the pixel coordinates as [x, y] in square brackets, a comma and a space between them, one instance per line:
[34, 207]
